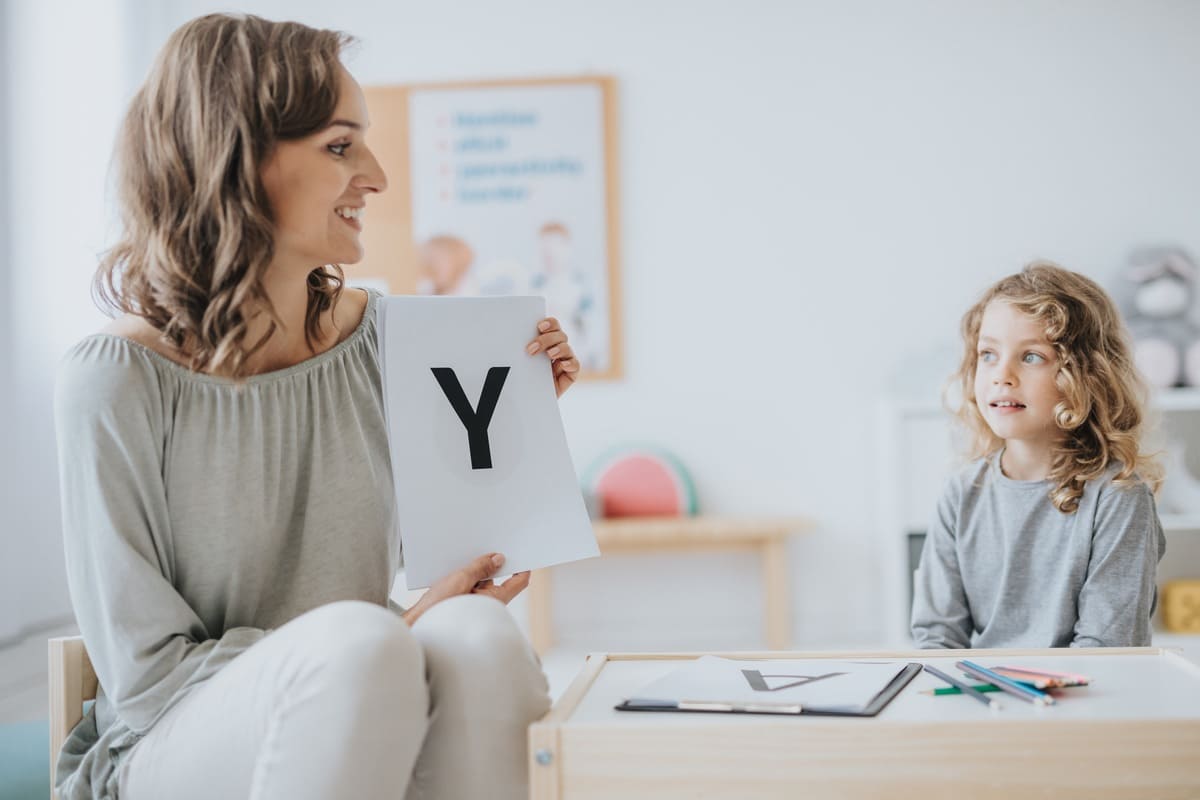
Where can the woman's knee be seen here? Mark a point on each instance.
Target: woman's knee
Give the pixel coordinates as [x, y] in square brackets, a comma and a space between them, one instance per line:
[360, 639]
[473, 642]
[474, 623]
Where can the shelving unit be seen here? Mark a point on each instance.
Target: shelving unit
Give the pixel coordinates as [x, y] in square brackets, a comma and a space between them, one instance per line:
[1180, 522]
[1177, 399]
[917, 454]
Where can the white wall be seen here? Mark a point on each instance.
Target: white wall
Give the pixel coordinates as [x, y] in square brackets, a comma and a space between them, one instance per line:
[8, 498]
[66, 80]
[812, 193]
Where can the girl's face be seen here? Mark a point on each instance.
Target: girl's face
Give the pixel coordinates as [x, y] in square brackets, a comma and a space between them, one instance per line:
[1014, 376]
[318, 187]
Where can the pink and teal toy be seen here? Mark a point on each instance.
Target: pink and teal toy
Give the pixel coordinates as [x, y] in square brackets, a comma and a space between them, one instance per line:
[635, 481]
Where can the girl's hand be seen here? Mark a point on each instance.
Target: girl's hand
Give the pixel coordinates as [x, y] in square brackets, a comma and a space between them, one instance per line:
[553, 342]
[475, 578]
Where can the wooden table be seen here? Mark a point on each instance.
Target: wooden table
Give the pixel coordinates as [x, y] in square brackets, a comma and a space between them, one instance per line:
[767, 536]
[1133, 733]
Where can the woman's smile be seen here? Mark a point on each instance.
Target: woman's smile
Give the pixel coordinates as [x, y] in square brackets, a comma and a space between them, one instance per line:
[351, 215]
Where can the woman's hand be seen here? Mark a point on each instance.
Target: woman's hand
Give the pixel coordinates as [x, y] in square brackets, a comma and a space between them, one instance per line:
[553, 342]
[475, 578]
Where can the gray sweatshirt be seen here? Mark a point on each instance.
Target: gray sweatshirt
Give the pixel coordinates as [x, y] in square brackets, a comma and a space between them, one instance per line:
[1002, 567]
[198, 515]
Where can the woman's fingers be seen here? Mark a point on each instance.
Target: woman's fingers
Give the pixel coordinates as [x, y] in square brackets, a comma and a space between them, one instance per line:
[561, 352]
[483, 568]
[504, 592]
[553, 342]
[546, 341]
[566, 365]
[512, 587]
[475, 577]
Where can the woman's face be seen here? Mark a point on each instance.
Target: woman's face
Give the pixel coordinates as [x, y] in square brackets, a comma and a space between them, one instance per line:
[318, 187]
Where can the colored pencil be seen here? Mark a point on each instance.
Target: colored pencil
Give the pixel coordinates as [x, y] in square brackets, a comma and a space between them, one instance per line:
[987, 687]
[1043, 679]
[979, 687]
[1007, 684]
[965, 688]
[1066, 675]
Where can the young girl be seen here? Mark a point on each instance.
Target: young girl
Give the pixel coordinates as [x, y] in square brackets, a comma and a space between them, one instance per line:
[228, 509]
[1050, 538]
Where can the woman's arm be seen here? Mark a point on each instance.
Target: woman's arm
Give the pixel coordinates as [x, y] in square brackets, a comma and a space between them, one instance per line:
[147, 645]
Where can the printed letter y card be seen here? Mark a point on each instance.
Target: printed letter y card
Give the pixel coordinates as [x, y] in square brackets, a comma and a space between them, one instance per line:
[479, 455]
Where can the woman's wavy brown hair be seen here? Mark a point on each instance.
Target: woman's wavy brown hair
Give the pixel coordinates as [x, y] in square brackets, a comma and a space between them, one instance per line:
[1102, 411]
[198, 230]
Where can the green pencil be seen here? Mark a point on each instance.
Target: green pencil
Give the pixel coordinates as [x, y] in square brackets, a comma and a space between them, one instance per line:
[979, 687]
[965, 687]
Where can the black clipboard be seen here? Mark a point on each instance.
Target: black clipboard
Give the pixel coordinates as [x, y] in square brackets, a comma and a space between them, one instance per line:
[877, 704]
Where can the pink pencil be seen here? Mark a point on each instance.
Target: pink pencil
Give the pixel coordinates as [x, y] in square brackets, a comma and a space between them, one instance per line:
[1071, 676]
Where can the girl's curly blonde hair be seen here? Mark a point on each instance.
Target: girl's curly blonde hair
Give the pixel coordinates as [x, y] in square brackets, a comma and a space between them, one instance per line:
[198, 233]
[1102, 413]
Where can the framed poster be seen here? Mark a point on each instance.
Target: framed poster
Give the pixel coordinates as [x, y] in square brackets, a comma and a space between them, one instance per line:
[501, 188]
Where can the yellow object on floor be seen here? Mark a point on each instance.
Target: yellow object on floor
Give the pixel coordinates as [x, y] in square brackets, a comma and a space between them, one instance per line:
[1181, 606]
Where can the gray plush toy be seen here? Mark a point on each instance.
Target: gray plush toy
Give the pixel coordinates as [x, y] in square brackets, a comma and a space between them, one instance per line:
[1156, 291]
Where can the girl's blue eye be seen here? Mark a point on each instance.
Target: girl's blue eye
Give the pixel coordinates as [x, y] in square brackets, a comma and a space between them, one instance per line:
[339, 149]
[986, 355]
[1033, 358]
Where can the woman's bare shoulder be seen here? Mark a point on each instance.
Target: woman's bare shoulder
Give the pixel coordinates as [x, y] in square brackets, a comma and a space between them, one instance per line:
[347, 316]
[136, 329]
[348, 313]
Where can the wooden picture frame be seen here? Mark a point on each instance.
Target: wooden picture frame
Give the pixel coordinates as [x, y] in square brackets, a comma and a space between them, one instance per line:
[501, 187]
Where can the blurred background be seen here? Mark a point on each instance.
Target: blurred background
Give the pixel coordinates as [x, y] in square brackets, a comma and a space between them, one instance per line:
[810, 193]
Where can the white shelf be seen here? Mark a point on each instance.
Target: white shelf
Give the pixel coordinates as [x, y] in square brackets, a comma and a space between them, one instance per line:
[1187, 399]
[1179, 523]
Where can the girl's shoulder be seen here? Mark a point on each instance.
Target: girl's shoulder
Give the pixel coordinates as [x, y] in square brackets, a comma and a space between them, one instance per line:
[976, 469]
[1111, 481]
[968, 478]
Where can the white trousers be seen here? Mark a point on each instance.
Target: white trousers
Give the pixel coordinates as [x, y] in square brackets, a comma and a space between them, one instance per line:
[347, 701]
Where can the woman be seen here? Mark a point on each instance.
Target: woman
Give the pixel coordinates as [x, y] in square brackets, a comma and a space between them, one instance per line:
[227, 501]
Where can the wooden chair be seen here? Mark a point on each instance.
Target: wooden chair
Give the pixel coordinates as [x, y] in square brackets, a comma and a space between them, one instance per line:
[72, 683]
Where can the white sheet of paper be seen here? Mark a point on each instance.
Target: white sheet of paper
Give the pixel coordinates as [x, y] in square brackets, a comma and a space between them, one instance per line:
[821, 683]
[527, 504]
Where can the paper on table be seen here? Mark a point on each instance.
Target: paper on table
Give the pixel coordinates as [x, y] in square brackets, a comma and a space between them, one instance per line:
[811, 683]
[513, 489]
